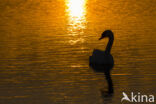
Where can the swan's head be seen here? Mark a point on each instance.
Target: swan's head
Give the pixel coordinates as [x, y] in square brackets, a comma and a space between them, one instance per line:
[107, 33]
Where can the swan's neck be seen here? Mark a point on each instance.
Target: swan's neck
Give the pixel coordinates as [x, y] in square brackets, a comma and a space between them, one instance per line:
[109, 45]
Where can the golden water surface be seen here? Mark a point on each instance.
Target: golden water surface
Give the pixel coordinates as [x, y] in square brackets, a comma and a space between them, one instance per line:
[45, 46]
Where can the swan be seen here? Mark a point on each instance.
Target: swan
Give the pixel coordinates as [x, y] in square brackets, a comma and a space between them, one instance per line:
[102, 61]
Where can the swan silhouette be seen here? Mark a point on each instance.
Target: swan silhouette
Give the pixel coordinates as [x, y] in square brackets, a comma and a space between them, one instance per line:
[102, 61]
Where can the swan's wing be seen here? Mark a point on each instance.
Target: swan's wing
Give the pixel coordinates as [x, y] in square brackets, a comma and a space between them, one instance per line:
[101, 57]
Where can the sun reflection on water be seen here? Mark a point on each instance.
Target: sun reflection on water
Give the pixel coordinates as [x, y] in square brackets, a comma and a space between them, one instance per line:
[76, 8]
[76, 11]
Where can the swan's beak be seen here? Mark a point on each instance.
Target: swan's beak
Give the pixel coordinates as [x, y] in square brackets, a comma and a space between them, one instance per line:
[103, 35]
[100, 38]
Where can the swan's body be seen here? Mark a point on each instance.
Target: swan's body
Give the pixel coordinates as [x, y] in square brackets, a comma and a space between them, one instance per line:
[100, 57]
[103, 60]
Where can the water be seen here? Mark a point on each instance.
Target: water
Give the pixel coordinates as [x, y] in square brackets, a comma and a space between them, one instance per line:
[45, 45]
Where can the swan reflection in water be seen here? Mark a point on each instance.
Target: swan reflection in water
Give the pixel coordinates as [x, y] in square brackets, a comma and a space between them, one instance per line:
[102, 61]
